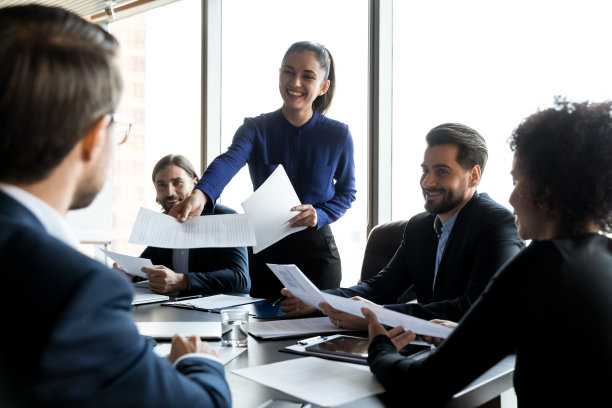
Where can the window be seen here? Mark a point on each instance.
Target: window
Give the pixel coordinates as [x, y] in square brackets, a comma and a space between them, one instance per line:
[255, 36]
[161, 65]
[488, 65]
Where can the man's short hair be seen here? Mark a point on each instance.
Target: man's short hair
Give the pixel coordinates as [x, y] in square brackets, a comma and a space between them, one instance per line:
[177, 160]
[472, 146]
[58, 76]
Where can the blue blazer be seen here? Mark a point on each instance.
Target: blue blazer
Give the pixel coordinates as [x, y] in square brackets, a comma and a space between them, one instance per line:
[211, 270]
[72, 341]
[483, 239]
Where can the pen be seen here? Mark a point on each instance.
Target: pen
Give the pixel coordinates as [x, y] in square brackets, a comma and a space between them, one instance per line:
[280, 299]
[187, 297]
[311, 339]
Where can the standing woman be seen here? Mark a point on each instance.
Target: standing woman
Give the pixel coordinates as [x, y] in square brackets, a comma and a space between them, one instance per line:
[317, 154]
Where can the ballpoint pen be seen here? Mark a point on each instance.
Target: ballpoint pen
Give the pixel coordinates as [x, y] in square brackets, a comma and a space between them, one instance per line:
[280, 299]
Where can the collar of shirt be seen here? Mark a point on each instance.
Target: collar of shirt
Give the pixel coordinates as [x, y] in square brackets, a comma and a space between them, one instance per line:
[52, 221]
[447, 227]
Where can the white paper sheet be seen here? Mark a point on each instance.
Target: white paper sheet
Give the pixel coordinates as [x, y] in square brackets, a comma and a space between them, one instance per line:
[212, 231]
[130, 264]
[215, 302]
[316, 380]
[268, 208]
[275, 329]
[301, 287]
[226, 354]
[389, 317]
[143, 295]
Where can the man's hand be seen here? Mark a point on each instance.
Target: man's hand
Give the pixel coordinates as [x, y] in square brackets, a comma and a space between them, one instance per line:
[306, 218]
[182, 346]
[436, 340]
[399, 337]
[120, 269]
[293, 306]
[190, 207]
[163, 280]
[342, 319]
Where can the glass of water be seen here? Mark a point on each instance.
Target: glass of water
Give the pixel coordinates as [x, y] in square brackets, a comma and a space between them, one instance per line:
[234, 327]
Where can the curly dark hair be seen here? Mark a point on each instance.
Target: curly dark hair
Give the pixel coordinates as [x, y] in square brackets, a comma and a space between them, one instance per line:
[565, 152]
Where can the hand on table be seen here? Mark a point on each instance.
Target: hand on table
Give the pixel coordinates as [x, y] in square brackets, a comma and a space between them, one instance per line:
[182, 346]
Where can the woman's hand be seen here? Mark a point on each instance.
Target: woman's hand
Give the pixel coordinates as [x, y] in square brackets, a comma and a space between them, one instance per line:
[306, 218]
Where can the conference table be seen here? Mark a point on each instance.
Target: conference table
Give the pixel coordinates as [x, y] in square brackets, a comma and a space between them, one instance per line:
[250, 394]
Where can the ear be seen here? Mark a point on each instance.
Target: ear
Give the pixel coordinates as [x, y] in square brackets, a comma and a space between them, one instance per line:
[475, 174]
[195, 181]
[92, 142]
[324, 87]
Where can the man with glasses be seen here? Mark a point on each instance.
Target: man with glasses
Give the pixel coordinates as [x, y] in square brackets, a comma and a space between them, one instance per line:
[72, 341]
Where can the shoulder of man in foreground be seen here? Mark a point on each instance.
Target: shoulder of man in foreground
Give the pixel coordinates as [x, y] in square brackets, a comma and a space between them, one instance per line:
[87, 348]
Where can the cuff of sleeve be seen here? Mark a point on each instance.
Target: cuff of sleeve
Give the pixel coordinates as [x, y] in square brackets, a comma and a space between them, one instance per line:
[197, 355]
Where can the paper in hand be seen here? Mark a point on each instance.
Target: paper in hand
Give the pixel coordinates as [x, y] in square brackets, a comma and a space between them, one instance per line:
[130, 264]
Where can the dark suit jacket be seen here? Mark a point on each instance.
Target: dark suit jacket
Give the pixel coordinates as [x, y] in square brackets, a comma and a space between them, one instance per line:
[211, 270]
[483, 238]
[72, 341]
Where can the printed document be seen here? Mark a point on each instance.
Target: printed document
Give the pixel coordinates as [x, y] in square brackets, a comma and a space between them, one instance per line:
[163, 231]
[301, 287]
[130, 264]
[276, 329]
[268, 209]
[316, 380]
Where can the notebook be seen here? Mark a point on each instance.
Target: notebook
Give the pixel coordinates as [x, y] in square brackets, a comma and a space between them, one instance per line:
[144, 295]
[165, 330]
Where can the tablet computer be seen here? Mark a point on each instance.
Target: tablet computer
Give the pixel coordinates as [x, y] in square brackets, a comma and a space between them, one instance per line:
[355, 349]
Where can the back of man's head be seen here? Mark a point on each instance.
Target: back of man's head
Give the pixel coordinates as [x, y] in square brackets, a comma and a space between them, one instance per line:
[472, 146]
[58, 76]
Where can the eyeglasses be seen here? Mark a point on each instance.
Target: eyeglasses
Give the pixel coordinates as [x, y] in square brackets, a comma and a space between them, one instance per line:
[125, 121]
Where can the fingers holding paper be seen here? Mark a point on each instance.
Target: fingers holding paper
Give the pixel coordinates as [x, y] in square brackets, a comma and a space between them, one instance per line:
[163, 280]
[190, 207]
[399, 337]
[342, 319]
[293, 306]
[120, 269]
[182, 346]
[306, 218]
[436, 340]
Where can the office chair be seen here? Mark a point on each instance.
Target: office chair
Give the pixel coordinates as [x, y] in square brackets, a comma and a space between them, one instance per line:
[383, 241]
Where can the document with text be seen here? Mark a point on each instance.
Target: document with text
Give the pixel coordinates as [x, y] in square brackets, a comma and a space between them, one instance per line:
[163, 231]
[301, 287]
[269, 209]
[276, 329]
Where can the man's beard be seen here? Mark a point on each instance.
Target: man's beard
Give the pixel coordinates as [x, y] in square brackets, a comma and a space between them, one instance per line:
[448, 203]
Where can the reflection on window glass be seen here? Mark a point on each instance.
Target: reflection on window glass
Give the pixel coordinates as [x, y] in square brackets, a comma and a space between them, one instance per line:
[254, 39]
[161, 65]
[488, 65]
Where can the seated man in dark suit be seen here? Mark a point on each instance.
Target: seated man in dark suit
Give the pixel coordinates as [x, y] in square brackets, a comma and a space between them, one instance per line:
[192, 271]
[449, 252]
[72, 341]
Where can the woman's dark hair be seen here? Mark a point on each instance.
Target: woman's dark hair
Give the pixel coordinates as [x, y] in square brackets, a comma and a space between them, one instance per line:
[565, 155]
[326, 61]
[472, 146]
[177, 160]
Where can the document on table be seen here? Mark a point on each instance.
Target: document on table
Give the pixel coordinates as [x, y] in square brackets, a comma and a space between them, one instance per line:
[316, 380]
[163, 231]
[130, 264]
[214, 302]
[301, 287]
[268, 209]
[276, 329]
